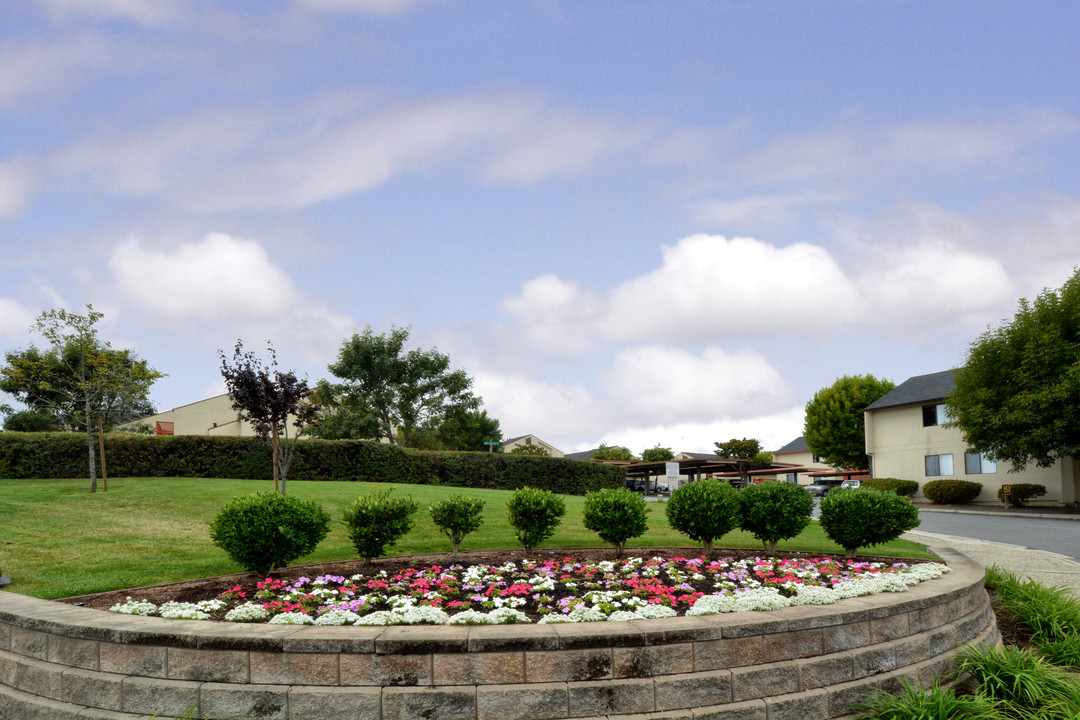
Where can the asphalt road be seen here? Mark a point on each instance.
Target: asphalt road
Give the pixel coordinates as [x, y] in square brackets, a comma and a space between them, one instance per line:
[1059, 536]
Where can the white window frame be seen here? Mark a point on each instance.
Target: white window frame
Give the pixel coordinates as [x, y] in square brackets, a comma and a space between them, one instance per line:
[985, 465]
[938, 466]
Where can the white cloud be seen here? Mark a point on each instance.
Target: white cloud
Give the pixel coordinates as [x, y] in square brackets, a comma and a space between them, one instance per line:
[527, 405]
[143, 12]
[655, 384]
[15, 320]
[216, 277]
[760, 211]
[376, 7]
[31, 69]
[16, 184]
[260, 158]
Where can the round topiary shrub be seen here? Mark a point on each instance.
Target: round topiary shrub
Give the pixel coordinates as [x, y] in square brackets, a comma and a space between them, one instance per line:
[1021, 493]
[376, 521]
[907, 488]
[951, 492]
[616, 515]
[705, 510]
[774, 511]
[457, 516]
[267, 530]
[534, 514]
[855, 518]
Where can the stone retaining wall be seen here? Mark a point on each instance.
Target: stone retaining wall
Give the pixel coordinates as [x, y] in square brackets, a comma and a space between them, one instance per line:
[62, 662]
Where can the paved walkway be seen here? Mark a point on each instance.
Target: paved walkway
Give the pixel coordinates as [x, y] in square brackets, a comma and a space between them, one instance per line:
[1040, 565]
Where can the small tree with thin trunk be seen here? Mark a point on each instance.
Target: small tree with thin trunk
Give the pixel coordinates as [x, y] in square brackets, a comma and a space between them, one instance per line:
[272, 401]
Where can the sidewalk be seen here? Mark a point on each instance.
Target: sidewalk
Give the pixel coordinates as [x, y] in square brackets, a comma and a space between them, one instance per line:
[1059, 513]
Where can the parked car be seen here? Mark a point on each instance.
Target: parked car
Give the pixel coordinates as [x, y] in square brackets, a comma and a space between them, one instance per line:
[661, 487]
[822, 487]
[853, 484]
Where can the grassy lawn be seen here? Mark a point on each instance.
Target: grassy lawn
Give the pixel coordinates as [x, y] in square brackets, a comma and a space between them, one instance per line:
[58, 540]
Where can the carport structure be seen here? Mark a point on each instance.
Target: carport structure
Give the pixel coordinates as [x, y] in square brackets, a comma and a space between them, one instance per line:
[697, 468]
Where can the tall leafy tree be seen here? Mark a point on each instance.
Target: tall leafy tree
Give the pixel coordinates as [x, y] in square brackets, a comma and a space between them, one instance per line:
[271, 400]
[79, 379]
[1017, 396]
[391, 393]
[469, 430]
[834, 426]
[657, 454]
[748, 450]
[611, 452]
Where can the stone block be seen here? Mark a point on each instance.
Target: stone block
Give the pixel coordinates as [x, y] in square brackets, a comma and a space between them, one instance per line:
[484, 638]
[226, 666]
[799, 706]
[146, 696]
[845, 637]
[728, 653]
[574, 636]
[8, 664]
[31, 643]
[668, 631]
[652, 661]
[522, 702]
[889, 628]
[359, 703]
[693, 690]
[935, 616]
[138, 660]
[39, 678]
[764, 680]
[488, 668]
[73, 652]
[294, 668]
[565, 665]
[440, 703]
[912, 650]
[825, 670]
[844, 697]
[5, 636]
[873, 660]
[422, 639]
[345, 638]
[92, 689]
[392, 670]
[746, 628]
[791, 645]
[746, 710]
[44, 709]
[266, 702]
[611, 697]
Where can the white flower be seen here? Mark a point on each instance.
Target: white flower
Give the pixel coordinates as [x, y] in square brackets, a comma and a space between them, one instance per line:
[248, 612]
[291, 618]
[655, 610]
[380, 617]
[624, 616]
[469, 617]
[182, 611]
[423, 614]
[814, 595]
[337, 617]
[508, 616]
[134, 607]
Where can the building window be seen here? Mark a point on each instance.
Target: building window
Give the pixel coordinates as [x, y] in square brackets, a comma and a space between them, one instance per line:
[934, 415]
[818, 459]
[939, 465]
[978, 464]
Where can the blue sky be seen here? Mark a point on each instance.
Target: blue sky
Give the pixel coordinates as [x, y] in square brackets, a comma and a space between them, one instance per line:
[633, 222]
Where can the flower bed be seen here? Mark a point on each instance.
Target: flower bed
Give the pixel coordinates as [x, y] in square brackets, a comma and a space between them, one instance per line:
[548, 591]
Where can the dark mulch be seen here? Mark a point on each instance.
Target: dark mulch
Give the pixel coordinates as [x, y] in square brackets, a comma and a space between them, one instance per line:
[208, 588]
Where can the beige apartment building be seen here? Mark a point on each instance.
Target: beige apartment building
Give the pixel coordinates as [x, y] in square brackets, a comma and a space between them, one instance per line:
[906, 438]
[213, 416]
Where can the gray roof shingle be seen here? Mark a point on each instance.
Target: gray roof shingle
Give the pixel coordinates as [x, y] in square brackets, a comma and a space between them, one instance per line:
[918, 389]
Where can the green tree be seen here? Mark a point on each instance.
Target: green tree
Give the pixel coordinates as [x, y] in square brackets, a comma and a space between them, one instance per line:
[611, 452]
[537, 450]
[834, 426]
[272, 401]
[30, 421]
[657, 454]
[747, 449]
[1017, 396]
[388, 392]
[79, 378]
[468, 430]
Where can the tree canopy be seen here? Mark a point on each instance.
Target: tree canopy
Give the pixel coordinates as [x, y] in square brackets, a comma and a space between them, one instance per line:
[657, 454]
[79, 379]
[1017, 396]
[611, 452]
[388, 392]
[835, 429]
[271, 400]
[746, 448]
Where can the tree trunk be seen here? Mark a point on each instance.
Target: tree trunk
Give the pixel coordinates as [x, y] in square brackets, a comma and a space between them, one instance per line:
[277, 465]
[90, 446]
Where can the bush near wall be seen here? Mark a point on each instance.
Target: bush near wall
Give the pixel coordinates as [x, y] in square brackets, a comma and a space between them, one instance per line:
[64, 455]
[951, 492]
[907, 488]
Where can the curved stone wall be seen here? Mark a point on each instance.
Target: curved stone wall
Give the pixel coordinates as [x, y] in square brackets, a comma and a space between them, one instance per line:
[62, 662]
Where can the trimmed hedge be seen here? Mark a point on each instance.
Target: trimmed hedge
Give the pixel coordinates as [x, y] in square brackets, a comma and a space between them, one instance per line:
[1021, 493]
[906, 488]
[63, 455]
[951, 492]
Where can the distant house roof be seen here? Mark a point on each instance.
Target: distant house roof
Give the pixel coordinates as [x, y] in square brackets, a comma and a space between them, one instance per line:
[697, 455]
[919, 389]
[796, 445]
[583, 455]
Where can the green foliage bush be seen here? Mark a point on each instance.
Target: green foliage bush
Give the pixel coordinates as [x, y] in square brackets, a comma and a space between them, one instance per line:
[1021, 493]
[951, 492]
[534, 514]
[267, 530]
[1033, 687]
[63, 455]
[907, 488]
[457, 516]
[705, 510]
[913, 702]
[376, 521]
[855, 518]
[616, 515]
[774, 511]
